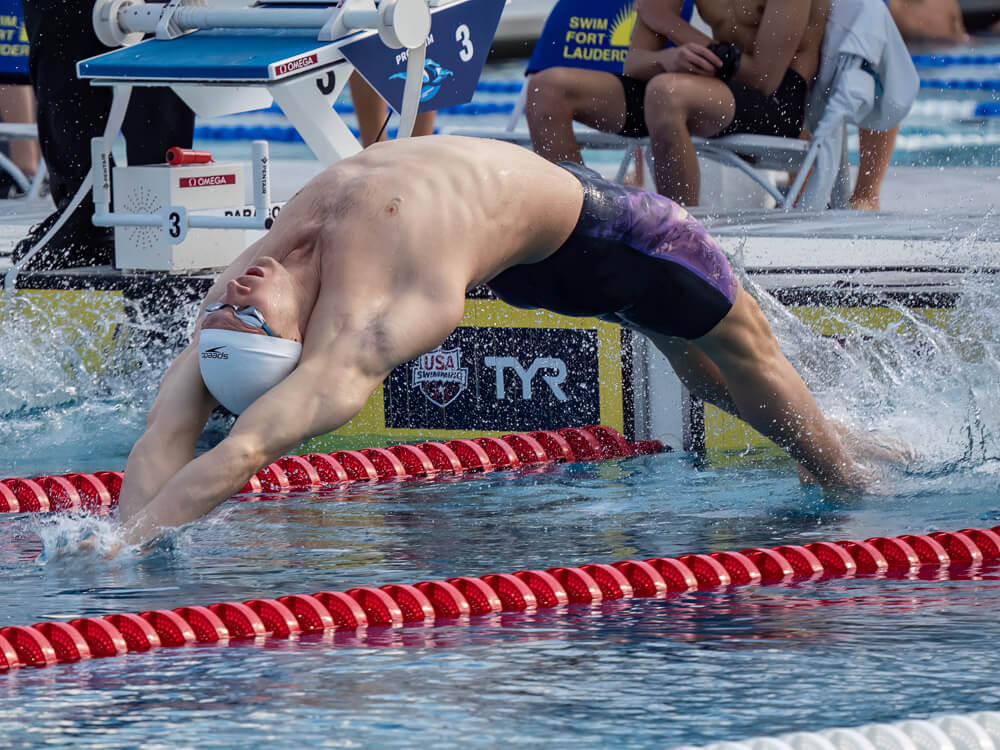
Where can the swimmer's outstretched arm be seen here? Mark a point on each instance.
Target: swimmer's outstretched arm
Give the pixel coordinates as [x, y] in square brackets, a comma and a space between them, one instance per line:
[316, 398]
[180, 411]
[182, 407]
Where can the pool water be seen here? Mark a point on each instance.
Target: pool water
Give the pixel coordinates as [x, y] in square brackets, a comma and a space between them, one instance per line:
[691, 669]
[637, 673]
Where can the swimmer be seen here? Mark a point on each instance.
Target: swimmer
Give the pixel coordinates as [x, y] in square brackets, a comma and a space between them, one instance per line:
[368, 266]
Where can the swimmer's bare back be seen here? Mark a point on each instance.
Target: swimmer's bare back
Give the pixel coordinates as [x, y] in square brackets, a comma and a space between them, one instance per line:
[403, 229]
[446, 207]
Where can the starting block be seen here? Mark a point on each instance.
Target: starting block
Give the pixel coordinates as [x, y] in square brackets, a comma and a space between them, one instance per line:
[419, 55]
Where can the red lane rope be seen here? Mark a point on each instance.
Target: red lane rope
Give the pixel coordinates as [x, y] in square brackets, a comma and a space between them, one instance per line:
[428, 602]
[99, 491]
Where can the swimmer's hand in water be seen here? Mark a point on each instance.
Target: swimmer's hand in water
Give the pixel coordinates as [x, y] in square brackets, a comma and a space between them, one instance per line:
[872, 453]
[93, 545]
[108, 549]
[875, 446]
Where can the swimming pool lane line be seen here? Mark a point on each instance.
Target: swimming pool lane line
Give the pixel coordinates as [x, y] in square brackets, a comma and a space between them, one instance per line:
[98, 491]
[972, 731]
[463, 597]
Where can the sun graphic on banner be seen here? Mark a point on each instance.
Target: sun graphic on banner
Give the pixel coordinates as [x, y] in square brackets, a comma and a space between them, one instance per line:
[621, 27]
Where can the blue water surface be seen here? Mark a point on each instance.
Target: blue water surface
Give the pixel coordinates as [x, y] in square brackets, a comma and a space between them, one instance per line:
[641, 673]
[691, 669]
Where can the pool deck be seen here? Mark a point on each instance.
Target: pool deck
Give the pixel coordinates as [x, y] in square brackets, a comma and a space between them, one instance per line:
[936, 224]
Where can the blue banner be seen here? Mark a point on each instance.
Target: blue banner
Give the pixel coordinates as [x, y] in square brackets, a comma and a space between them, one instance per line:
[13, 42]
[457, 47]
[591, 34]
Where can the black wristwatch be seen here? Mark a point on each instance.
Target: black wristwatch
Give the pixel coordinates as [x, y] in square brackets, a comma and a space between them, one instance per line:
[730, 55]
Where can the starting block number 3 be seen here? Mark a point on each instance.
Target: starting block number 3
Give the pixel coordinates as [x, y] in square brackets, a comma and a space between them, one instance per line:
[464, 37]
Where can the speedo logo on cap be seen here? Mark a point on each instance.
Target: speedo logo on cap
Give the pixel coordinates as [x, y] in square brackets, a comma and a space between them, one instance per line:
[215, 353]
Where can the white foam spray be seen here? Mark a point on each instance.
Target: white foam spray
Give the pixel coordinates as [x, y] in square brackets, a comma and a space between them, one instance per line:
[930, 380]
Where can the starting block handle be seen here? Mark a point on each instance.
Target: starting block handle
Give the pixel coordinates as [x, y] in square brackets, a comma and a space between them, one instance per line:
[145, 17]
[359, 18]
[400, 23]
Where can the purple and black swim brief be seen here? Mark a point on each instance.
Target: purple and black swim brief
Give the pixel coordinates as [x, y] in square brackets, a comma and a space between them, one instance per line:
[634, 258]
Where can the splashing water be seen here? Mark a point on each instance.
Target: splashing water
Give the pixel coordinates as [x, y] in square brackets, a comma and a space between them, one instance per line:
[927, 378]
[75, 389]
[75, 384]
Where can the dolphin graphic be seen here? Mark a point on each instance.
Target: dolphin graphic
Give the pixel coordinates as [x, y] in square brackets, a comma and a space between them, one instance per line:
[434, 77]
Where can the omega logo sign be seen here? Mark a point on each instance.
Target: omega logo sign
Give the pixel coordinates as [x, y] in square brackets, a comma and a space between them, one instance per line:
[208, 180]
[297, 64]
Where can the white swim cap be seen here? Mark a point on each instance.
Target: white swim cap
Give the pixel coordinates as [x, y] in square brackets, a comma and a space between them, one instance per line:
[238, 368]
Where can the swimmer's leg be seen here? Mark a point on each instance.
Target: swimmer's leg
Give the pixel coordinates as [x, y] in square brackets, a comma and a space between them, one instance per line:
[769, 394]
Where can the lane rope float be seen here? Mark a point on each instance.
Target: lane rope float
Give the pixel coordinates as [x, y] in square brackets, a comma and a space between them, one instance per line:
[973, 731]
[463, 597]
[98, 491]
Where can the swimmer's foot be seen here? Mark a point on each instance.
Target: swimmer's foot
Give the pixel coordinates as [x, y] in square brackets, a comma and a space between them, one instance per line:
[870, 455]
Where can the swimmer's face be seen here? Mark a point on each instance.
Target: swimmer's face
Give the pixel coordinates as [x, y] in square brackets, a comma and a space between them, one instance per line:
[269, 287]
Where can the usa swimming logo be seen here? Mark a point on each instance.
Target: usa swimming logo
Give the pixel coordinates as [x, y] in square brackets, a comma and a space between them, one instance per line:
[434, 78]
[440, 376]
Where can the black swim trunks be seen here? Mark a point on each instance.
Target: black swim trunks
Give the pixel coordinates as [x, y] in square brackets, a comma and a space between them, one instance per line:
[782, 113]
[635, 107]
[634, 258]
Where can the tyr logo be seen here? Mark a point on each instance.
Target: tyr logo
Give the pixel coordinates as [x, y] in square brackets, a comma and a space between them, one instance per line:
[440, 376]
[554, 381]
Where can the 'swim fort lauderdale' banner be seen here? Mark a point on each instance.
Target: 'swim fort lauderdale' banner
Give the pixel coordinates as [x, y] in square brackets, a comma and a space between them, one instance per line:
[13, 43]
[598, 38]
[592, 35]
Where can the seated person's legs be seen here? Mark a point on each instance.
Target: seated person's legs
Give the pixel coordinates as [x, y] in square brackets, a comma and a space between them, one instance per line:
[917, 21]
[17, 104]
[558, 96]
[779, 114]
[677, 106]
[371, 111]
[874, 154]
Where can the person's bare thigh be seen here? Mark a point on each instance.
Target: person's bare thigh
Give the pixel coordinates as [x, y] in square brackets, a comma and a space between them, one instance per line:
[706, 104]
[597, 97]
